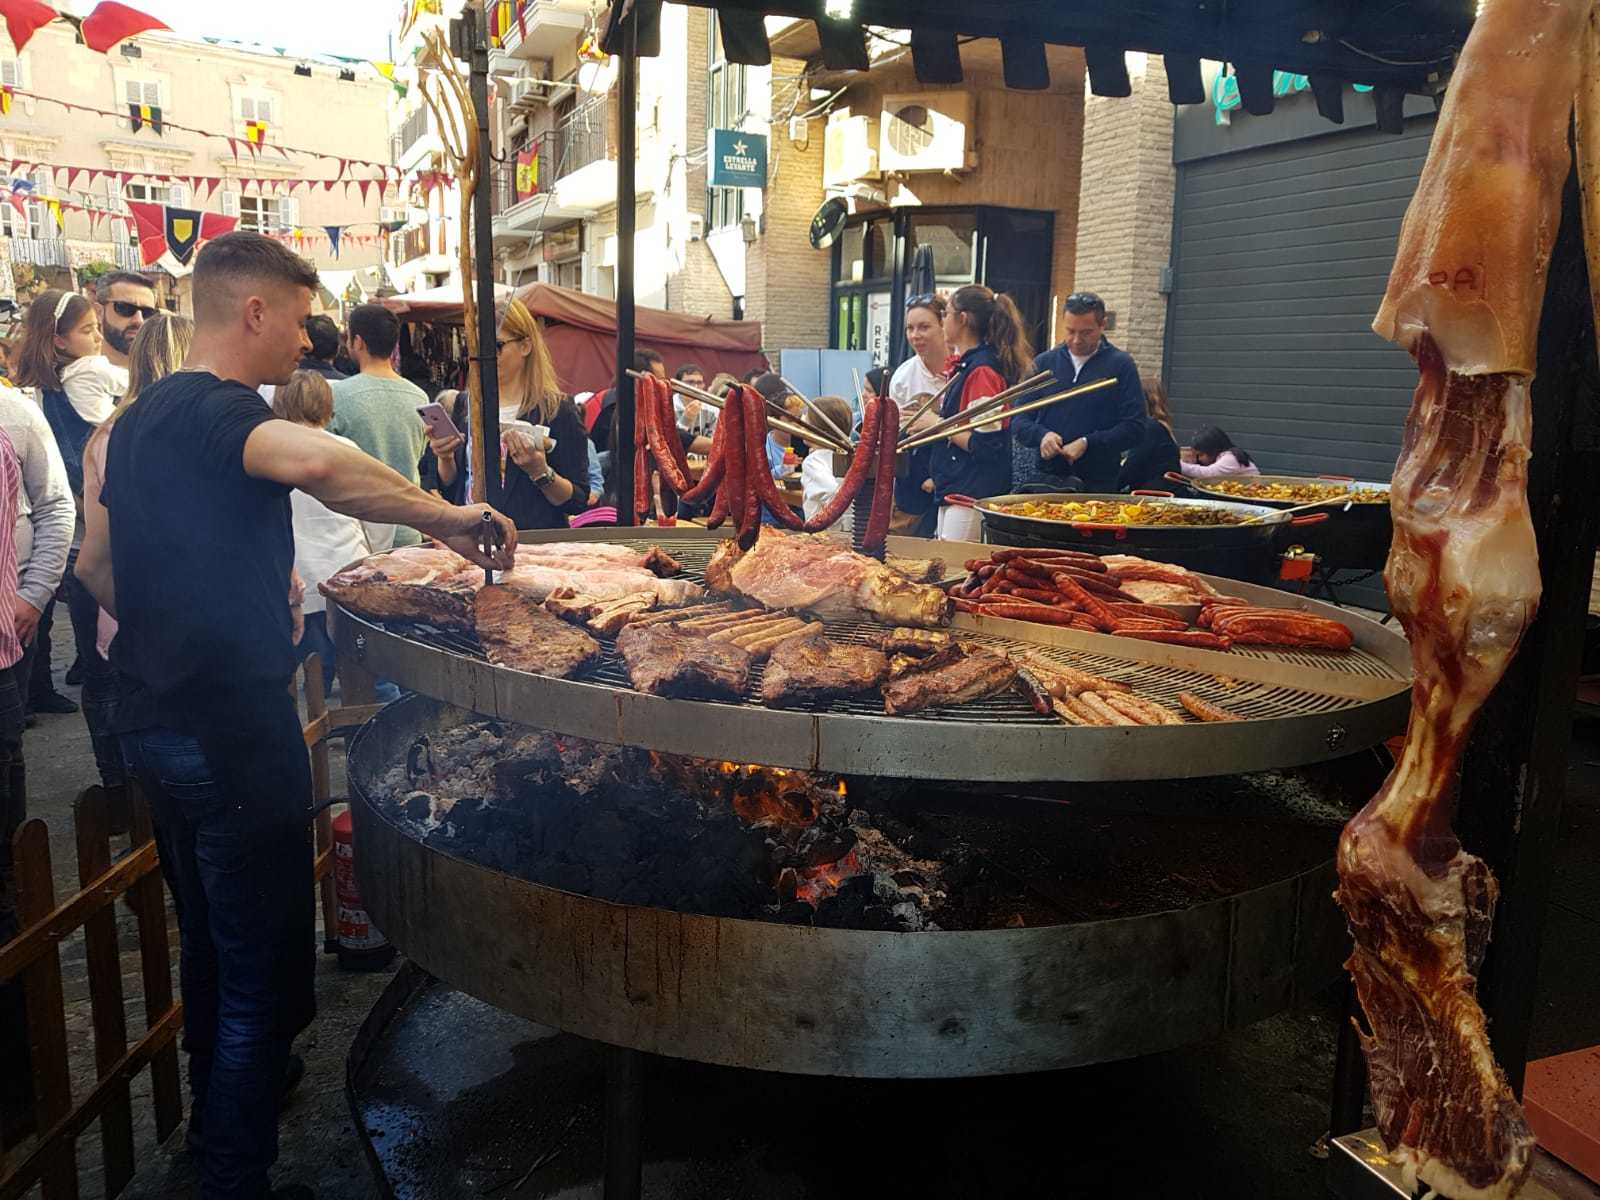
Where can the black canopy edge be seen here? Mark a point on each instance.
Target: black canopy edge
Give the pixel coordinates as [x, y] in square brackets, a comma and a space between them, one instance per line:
[1398, 49]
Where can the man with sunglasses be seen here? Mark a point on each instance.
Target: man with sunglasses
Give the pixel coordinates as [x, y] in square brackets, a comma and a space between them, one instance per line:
[126, 301]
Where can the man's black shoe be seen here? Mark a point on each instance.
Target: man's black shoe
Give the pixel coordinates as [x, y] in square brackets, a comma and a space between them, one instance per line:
[75, 673]
[30, 721]
[54, 702]
[194, 1141]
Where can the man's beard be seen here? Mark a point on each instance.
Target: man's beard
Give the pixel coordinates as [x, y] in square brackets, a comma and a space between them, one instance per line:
[119, 339]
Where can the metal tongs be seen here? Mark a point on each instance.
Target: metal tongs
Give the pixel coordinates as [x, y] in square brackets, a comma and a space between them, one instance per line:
[489, 542]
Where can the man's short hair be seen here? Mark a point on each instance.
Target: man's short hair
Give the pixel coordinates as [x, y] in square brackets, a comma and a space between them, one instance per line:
[1086, 302]
[687, 370]
[772, 386]
[106, 282]
[324, 337]
[644, 358]
[377, 327]
[227, 266]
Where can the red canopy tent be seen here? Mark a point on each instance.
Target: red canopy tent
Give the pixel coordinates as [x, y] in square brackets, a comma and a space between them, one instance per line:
[581, 331]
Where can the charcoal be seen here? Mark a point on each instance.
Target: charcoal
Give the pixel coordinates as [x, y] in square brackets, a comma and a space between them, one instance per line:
[796, 912]
[418, 806]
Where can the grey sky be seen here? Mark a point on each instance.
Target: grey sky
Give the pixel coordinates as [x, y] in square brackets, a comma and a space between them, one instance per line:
[355, 28]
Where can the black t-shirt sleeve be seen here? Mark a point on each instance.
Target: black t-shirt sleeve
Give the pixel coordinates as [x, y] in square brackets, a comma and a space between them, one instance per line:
[570, 459]
[231, 414]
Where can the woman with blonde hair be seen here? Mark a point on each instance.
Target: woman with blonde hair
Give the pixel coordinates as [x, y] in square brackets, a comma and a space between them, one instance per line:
[157, 351]
[324, 541]
[542, 451]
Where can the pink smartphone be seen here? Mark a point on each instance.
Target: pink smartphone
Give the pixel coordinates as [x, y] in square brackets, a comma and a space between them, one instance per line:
[438, 421]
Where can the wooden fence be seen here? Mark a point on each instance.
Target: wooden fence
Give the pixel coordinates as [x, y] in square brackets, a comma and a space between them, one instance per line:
[34, 955]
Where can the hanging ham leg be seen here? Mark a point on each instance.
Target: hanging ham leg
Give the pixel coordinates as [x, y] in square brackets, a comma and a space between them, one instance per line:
[1464, 297]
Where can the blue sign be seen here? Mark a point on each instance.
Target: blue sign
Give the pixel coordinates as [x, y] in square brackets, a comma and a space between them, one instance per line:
[738, 159]
[1225, 90]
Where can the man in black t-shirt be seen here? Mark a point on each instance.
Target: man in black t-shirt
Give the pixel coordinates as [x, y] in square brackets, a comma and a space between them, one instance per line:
[193, 552]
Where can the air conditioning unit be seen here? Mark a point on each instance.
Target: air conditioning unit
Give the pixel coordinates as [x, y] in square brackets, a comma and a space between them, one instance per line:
[524, 92]
[390, 215]
[697, 227]
[849, 149]
[927, 131]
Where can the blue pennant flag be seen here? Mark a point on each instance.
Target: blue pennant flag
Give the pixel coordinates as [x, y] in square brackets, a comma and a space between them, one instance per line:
[333, 232]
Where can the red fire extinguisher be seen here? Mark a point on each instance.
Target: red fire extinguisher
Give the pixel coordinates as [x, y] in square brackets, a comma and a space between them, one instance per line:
[361, 946]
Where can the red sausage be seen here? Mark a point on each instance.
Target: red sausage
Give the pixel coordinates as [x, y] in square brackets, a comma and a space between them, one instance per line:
[1177, 637]
[883, 485]
[1093, 605]
[746, 503]
[1042, 595]
[663, 439]
[755, 454]
[716, 465]
[963, 605]
[1039, 614]
[730, 496]
[856, 475]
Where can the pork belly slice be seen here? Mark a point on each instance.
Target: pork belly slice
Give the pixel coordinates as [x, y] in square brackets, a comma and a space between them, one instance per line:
[816, 574]
[974, 675]
[806, 669]
[516, 632]
[655, 559]
[665, 662]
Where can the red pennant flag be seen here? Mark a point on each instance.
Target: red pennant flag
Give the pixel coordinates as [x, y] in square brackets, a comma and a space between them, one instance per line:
[111, 23]
[23, 19]
[151, 224]
[344, 165]
[365, 185]
[72, 178]
[233, 144]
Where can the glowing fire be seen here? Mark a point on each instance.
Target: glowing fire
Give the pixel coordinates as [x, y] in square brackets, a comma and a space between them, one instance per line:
[818, 883]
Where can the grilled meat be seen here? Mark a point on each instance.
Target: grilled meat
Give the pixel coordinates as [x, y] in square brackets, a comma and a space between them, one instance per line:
[975, 675]
[905, 664]
[428, 584]
[806, 669]
[665, 662]
[918, 570]
[516, 632]
[916, 642]
[817, 574]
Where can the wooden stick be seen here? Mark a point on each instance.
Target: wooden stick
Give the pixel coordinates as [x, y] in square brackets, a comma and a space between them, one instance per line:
[1018, 411]
[936, 398]
[842, 435]
[809, 432]
[987, 403]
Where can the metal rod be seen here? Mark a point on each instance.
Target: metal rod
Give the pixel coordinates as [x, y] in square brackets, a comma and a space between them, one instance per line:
[624, 1152]
[622, 447]
[826, 420]
[1349, 1071]
[987, 417]
[936, 398]
[809, 432]
[987, 403]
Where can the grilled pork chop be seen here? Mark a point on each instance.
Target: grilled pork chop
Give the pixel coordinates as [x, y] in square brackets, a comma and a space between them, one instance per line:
[666, 662]
[516, 632]
[817, 574]
[976, 675]
[429, 584]
[805, 669]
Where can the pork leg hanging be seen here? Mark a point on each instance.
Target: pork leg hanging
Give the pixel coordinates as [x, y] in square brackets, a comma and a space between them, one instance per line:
[1464, 297]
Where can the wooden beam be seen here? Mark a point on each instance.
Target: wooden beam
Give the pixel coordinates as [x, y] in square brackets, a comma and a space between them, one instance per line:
[42, 934]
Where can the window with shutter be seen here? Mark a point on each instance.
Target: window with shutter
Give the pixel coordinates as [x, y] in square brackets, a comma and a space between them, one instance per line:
[230, 203]
[114, 196]
[10, 72]
[289, 210]
[143, 91]
[178, 194]
[44, 181]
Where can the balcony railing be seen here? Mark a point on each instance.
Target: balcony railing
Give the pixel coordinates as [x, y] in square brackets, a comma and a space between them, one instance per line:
[503, 194]
[39, 252]
[410, 243]
[414, 130]
[129, 257]
[578, 139]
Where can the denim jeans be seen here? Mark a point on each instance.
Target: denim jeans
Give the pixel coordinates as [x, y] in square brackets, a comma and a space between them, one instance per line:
[232, 824]
[99, 698]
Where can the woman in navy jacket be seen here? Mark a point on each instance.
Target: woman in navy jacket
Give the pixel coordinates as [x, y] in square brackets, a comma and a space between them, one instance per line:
[985, 331]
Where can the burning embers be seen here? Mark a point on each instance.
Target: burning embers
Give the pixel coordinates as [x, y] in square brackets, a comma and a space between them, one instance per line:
[636, 827]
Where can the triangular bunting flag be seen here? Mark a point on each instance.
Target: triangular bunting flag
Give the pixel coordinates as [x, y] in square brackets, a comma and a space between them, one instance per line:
[111, 23]
[6, 93]
[365, 184]
[333, 232]
[182, 229]
[151, 227]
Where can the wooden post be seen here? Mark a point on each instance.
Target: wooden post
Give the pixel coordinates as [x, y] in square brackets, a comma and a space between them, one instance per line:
[155, 965]
[91, 816]
[47, 1017]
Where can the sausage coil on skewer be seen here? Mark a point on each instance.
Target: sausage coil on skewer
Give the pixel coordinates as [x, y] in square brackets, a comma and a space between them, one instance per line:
[755, 454]
[883, 485]
[661, 432]
[856, 476]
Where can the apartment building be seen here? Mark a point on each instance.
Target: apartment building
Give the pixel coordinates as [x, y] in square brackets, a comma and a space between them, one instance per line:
[65, 156]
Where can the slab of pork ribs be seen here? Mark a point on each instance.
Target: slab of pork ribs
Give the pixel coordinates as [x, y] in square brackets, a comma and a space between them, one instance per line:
[971, 675]
[666, 662]
[516, 632]
[805, 670]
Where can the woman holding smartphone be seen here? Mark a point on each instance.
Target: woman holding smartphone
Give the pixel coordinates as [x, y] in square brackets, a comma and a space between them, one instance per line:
[545, 474]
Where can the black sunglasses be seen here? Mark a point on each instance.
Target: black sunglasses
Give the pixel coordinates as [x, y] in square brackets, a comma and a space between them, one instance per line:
[501, 343]
[925, 300]
[125, 309]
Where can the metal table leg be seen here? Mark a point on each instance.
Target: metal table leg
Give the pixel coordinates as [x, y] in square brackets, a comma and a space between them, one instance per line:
[624, 1123]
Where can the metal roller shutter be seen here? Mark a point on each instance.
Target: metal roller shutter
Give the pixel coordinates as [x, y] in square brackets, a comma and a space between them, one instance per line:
[1281, 255]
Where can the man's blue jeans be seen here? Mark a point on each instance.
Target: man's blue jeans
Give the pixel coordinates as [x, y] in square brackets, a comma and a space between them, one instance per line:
[232, 824]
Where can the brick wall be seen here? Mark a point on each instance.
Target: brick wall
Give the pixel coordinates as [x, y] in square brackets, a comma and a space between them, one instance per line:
[1125, 220]
[786, 281]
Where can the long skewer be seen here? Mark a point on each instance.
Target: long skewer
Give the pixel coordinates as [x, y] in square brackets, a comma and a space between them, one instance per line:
[809, 432]
[936, 398]
[987, 418]
[817, 412]
[987, 404]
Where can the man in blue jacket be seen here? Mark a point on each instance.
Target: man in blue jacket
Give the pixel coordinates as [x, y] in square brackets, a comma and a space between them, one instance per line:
[1087, 435]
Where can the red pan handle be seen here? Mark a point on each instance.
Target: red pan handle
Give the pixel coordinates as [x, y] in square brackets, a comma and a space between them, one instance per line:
[1339, 478]
[1309, 519]
[1118, 532]
[1175, 477]
[1152, 492]
[960, 501]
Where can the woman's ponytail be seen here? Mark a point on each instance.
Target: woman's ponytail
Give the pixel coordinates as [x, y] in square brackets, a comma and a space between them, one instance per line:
[995, 319]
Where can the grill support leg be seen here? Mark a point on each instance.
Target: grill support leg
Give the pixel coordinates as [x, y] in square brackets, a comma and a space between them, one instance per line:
[1349, 1070]
[624, 1123]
